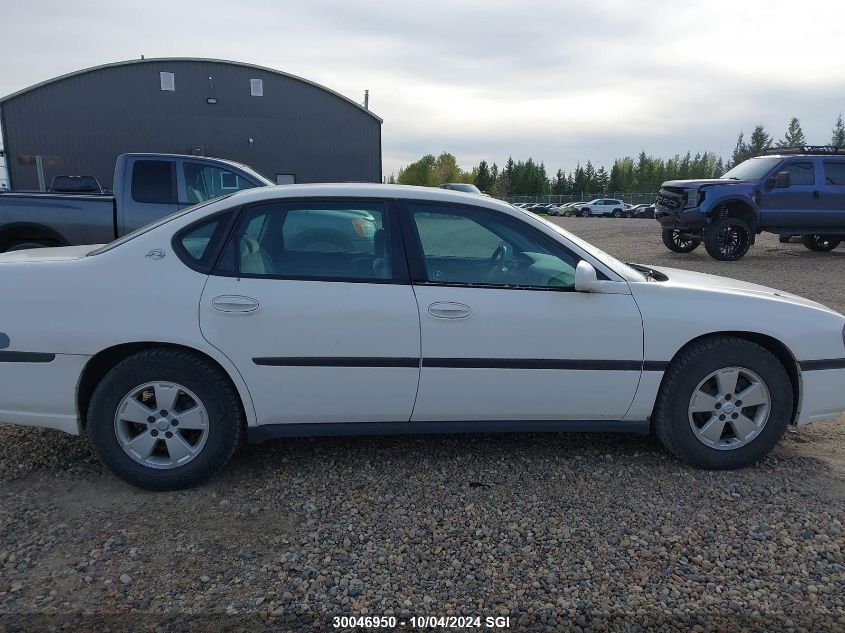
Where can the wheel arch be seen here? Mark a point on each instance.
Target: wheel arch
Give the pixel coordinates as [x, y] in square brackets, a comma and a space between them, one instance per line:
[738, 207]
[103, 361]
[777, 348]
[17, 231]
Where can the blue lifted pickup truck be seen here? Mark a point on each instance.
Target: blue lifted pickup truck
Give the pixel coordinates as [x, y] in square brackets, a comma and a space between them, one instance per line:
[788, 191]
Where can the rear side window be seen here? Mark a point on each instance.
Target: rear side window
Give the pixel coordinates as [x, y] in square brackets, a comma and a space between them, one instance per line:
[204, 182]
[834, 172]
[199, 243]
[332, 240]
[801, 173]
[154, 181]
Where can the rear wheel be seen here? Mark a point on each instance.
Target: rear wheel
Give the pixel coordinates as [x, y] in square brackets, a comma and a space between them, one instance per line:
[679, 242]
[617, 213]
[820, 243]
[784, 239]
[724, 403]
[164, 419]
[727, 239]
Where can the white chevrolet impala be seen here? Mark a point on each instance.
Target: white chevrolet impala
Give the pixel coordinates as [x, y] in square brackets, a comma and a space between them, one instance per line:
[320, 310]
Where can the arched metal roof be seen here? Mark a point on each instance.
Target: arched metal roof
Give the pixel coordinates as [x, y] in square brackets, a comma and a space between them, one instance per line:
[159, 60]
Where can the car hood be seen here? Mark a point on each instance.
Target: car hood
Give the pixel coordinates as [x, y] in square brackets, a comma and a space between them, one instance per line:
[704, 281]
[59, 253]
[702, 182]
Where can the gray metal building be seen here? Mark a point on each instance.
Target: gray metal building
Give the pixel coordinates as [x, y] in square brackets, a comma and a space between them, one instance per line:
[288, 128]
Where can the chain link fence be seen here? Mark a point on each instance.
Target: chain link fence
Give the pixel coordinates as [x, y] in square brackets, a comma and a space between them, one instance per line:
[629, 197]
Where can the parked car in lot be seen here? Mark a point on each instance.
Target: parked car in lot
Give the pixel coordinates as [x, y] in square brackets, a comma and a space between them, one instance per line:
[603, 206]
[789, 191]
[217, 322]
[146, 188]
[465, 187]
[641, 211]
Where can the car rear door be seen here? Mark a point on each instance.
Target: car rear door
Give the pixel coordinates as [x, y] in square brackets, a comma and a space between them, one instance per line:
[504, 334]
[312, 302]
[832, 197]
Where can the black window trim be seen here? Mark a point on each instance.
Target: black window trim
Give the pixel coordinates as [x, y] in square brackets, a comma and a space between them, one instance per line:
[416, 258]
[174, 187]
[399, 262]
[223, 239]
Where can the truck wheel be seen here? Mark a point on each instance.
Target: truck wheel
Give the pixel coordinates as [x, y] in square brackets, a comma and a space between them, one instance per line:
[164, 419]
[820, 243]
[586, 213]
[677, 242]
[727, 239]
[617, 213]
[724, 403]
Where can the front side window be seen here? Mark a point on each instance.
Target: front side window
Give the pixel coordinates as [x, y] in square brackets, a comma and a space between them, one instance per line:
[204, 182]
[477, 247]
[834, 172]
[800, 173]
[313, 240]
[153, 182]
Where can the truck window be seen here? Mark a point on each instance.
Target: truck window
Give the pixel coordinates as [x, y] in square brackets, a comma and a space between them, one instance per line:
[834, 172]
[204, 182]
[801, 173]
[153, 181]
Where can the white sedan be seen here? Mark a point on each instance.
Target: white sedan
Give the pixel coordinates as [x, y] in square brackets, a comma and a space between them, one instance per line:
[313, 310]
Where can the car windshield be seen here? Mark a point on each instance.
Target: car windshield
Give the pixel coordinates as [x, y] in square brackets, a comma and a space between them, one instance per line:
[753, 168]
[153, 225]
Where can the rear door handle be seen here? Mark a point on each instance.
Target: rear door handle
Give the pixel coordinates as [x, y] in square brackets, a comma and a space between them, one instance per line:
[234, 303]
[449, 310]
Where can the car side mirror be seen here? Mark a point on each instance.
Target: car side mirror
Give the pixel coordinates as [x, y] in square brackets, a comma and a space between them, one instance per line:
[781, 180]
[586, 277]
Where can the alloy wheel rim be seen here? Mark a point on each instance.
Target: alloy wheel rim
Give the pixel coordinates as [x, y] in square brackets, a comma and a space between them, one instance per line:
[161, 425]
[730, 239]
[680, 240]
[729, 408]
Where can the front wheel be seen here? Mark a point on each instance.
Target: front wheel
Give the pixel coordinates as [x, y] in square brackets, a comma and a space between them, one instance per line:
[165, 419]
[727, 239]
[679, 242]
[586, 213]
[724, 403]
[820, 243]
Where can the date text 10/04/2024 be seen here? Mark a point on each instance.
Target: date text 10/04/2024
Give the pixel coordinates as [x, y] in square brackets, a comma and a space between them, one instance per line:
[421, 622]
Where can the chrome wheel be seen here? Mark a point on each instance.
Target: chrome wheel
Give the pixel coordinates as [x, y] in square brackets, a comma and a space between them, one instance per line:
[161, 425]
[729, 408]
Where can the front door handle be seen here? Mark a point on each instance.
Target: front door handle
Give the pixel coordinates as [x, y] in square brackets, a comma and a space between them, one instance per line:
[449, 310]
[815, 195]
[234, 303]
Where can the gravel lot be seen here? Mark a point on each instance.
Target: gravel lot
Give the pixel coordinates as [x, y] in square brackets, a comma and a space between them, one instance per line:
[558, 532]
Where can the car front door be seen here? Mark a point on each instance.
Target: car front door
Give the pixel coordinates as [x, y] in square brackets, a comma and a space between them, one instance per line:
[832, 199]
[311, 301]
[504, 334]
[796, 205]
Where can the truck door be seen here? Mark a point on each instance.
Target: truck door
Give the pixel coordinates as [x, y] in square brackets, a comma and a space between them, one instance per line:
[832, 197]
[796, 205]
[149, 192]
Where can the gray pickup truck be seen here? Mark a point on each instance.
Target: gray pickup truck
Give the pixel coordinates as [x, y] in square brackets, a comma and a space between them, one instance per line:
[146, 188]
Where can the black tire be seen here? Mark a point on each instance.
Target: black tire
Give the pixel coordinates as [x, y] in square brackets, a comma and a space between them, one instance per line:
[629, 214]
[727, 239]
[212, 387]
[586, 213]
[617, 213]
[671, 412]
[676, 242]
[784, 239]
[23, 246]
[567, 213]
[820, 243]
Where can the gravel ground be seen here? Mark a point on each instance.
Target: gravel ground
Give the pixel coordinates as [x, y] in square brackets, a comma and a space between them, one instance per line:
[557, 532]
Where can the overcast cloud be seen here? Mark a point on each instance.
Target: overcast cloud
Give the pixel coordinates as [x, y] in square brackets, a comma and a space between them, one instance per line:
[558, 81]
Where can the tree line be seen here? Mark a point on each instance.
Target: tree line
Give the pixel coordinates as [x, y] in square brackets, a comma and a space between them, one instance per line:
[640, 174]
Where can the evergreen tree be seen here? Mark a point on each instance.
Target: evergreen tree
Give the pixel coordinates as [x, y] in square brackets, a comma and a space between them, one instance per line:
[794, 134]
[740, 150]
[760, 140]
[483, 177]
[838, 136]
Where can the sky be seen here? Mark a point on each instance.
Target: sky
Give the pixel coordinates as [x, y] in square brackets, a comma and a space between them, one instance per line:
[559, 81]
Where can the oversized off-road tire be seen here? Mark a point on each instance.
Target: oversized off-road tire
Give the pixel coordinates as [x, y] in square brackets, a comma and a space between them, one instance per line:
[675, 241]
[727, 239]
[820, 243]
[165, 419]
[617, 213]
[586, 213]
[724, 403]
